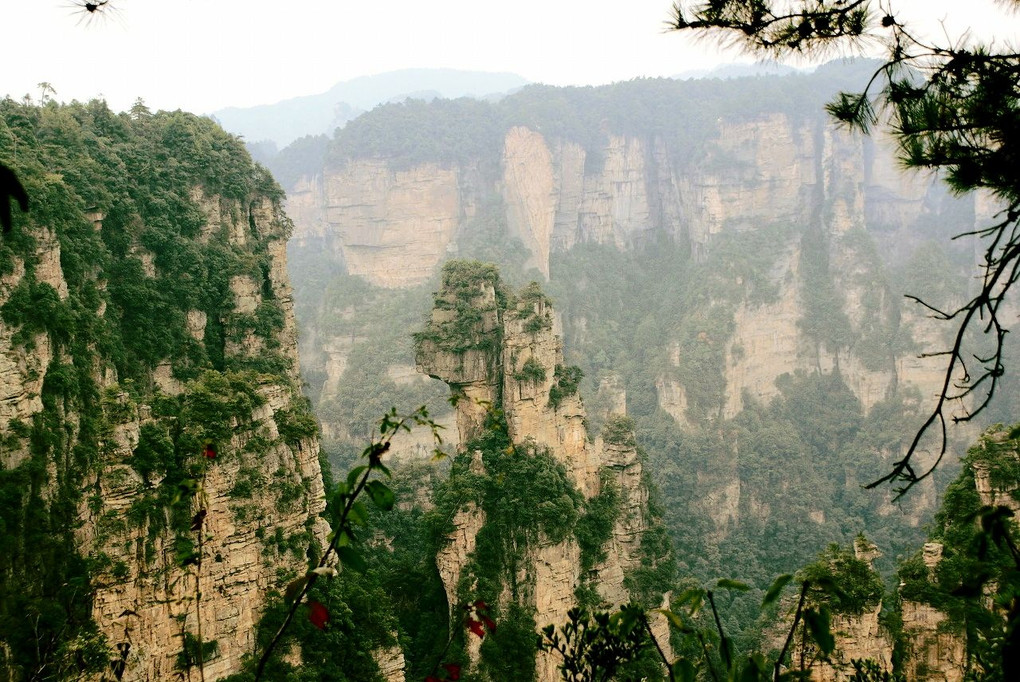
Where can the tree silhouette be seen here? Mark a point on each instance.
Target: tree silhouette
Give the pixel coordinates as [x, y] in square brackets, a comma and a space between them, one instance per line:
[10, 188]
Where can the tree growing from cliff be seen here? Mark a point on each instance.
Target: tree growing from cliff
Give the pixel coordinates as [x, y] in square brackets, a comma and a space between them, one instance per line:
[952, 107]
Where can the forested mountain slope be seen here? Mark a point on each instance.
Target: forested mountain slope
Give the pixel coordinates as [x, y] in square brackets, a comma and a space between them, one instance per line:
[725, 263]
[269, 126]
[159, 468]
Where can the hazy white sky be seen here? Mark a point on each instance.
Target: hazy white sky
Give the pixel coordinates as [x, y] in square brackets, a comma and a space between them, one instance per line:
[202, 55]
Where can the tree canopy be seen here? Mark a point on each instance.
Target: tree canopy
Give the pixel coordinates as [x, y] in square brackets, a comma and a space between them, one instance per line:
[953, 108]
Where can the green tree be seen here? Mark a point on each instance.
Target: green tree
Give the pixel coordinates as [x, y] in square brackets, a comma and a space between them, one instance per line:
[953, 107]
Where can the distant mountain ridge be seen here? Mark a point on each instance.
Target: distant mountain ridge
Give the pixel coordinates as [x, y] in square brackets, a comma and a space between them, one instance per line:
[728, 71]
[289, 119]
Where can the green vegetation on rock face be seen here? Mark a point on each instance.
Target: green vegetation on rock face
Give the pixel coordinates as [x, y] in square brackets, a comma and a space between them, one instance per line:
[526, 498]
[970, 558]
[374, 328]
[519, 493]
[656, 312]
[859, 587]
[463, 325]
[823, 319]
[120, 214]
[525, 495]
[568, 379]
[154, 259]
[766, 489]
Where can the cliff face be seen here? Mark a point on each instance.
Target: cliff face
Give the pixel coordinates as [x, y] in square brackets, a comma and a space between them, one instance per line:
[394, 228]
[146, 598]
[950, 605]
[701, 255]
[859, 633]
[390, 227]
[159, 466]
[499, 354]
[23, 366]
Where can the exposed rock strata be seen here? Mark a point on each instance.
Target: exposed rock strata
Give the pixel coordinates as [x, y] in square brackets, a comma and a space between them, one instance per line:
[396, 227]
[858, 636]
[517, 339]
[391, 227]
[157, 600]
[144, 600]
[933, 654]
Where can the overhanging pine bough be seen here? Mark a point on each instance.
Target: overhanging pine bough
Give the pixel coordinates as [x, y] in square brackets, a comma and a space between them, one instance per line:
[954, 108]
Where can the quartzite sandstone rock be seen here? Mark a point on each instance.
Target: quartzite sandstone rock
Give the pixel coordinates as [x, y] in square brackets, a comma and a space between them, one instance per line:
[525, 334]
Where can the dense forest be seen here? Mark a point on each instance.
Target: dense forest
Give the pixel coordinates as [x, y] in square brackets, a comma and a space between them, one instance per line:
[658, 310]
[138, 360]
[468, 130]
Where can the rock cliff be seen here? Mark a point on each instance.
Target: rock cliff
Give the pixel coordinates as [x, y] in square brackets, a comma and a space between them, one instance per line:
[735, 271]
[261, 495]
[859, 633]
[159, 467]
[949, 598]
[551, 195]
[499, 354]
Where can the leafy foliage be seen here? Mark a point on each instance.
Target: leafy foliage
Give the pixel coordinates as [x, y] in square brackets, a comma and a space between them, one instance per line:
[468, 131]
[531, 371]
[567, 379]
[595, 646]
[465, 288]
[619, 430]
[859, 586]
[347, 512]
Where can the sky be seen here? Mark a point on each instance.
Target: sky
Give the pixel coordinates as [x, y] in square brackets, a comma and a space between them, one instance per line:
[204, 55]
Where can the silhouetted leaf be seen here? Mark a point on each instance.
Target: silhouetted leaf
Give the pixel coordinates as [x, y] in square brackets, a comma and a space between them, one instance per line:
[726, 650]
[358, 514]
[776, 589]
[673, 619]
[197, 520]
[351, 558]
[354, 474]
[754, 669]
[818, 626]
[727, 584]
[695, 597]
[294, 588]
[684, 671]
[381, 495]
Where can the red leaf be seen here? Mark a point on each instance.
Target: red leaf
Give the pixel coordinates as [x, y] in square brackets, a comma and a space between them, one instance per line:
[432, 678]
[481, 606]
[475, 626]
[452, 671]
[210, 451]
[489, 623]
[318, 614]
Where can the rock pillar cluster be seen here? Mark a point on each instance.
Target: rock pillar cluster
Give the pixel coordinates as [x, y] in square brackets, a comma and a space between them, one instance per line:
[499, 353]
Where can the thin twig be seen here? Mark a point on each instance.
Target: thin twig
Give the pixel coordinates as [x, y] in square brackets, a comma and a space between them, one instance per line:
[662, 654]
[312, 576]
[793, 629]
[723, 641]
